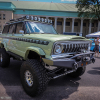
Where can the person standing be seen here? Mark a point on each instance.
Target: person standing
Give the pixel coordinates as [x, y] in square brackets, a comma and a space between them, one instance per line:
[96, 48]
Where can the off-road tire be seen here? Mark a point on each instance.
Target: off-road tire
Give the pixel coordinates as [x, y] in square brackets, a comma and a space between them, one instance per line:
[40, 79]
[4, 58]
[80, 71]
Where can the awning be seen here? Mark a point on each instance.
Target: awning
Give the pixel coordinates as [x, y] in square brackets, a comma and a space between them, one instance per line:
[95, 34]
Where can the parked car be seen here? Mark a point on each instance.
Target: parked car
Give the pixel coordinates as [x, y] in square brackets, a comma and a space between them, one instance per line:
[45, 54]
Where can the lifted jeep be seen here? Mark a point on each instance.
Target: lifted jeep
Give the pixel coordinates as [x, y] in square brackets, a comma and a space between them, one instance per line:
[46, 54]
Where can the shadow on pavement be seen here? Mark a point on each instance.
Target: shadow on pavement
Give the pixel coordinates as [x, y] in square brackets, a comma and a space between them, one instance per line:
[57, 89]
[95, 71]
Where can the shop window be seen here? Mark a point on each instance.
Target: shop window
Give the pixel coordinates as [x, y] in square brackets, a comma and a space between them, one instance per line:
[84, 24]
[0, 16]
[75, 23]
[4, 17]
[59, 23]
[67, 23]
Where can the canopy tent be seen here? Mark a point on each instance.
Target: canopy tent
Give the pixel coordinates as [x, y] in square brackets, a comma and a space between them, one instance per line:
[95, 34]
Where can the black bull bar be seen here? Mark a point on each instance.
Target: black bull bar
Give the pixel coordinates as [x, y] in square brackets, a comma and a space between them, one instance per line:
[72, 62]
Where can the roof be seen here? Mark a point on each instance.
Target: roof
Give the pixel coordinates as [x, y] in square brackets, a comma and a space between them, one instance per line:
[42, 5]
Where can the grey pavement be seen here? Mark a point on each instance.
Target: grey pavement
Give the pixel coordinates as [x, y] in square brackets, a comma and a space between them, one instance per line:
[86, 87]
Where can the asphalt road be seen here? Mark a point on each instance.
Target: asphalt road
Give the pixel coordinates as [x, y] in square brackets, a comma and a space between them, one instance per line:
[86, 87]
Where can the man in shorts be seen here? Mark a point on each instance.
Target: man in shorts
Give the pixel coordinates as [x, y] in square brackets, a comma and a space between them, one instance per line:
[96, 48]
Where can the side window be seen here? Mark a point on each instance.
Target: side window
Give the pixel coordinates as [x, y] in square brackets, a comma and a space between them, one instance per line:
[19, 27]
[11, 29]
[5, 30]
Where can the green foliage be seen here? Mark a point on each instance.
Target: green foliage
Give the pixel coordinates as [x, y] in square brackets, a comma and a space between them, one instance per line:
[88, 9]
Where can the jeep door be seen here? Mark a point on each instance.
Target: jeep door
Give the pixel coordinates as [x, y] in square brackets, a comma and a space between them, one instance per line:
[17, 43]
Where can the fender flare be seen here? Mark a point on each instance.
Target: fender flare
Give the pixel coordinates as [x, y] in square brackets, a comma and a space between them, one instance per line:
[3, 44]
[37, 50]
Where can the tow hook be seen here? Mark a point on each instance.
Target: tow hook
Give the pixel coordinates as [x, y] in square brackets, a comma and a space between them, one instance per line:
[93, 60]
[75, 66]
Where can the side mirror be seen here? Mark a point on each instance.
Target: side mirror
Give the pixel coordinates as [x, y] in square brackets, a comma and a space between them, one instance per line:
[21, 31]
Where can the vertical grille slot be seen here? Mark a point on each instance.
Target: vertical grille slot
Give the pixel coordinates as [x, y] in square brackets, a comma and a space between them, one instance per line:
[75, 47]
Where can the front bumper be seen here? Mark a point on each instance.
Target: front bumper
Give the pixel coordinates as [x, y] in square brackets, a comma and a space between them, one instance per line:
[76, 61]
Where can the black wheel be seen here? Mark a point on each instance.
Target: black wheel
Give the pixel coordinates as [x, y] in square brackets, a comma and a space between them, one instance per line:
[33, 77]
[80, 71]
[4, 58]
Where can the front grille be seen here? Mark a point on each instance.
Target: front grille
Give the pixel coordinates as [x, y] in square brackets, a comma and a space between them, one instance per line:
[68, 48]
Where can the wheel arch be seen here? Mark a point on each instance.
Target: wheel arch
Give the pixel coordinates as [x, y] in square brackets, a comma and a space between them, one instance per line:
[3, 45]
[34, 51]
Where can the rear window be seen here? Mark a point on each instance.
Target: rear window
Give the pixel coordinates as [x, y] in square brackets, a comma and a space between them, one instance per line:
[19, 27]
[11, 29]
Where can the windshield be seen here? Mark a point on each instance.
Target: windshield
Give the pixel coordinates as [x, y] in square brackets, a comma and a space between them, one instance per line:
[35, 27]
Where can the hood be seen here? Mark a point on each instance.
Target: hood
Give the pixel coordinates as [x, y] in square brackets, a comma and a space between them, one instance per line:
[53, 37]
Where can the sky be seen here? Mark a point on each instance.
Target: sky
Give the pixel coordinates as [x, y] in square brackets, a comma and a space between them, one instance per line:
[57, 1]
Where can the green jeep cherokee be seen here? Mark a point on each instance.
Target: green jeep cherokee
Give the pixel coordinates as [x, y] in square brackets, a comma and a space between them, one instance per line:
[45, 53]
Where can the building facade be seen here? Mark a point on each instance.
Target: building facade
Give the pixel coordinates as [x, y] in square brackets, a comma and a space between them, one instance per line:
[64, 16]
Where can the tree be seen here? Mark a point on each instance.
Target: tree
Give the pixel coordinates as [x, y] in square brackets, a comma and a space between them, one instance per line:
[88, 9]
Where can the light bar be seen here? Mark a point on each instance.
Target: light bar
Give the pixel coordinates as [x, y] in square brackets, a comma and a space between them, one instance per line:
[35, 18]
[38, 18]
[32, 18]
[48, 20]
[27, 17]
[51, 21]
[45, 20]
[42, 19]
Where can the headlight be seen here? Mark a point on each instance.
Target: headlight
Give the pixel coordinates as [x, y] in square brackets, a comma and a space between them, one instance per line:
[58, 49]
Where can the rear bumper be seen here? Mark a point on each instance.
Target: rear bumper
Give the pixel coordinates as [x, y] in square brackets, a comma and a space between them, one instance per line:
[72, 62]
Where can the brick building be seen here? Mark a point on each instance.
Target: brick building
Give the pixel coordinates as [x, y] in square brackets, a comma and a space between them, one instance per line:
[64, 15]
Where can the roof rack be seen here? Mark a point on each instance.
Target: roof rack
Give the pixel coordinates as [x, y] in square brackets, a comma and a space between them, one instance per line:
[30, 18]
